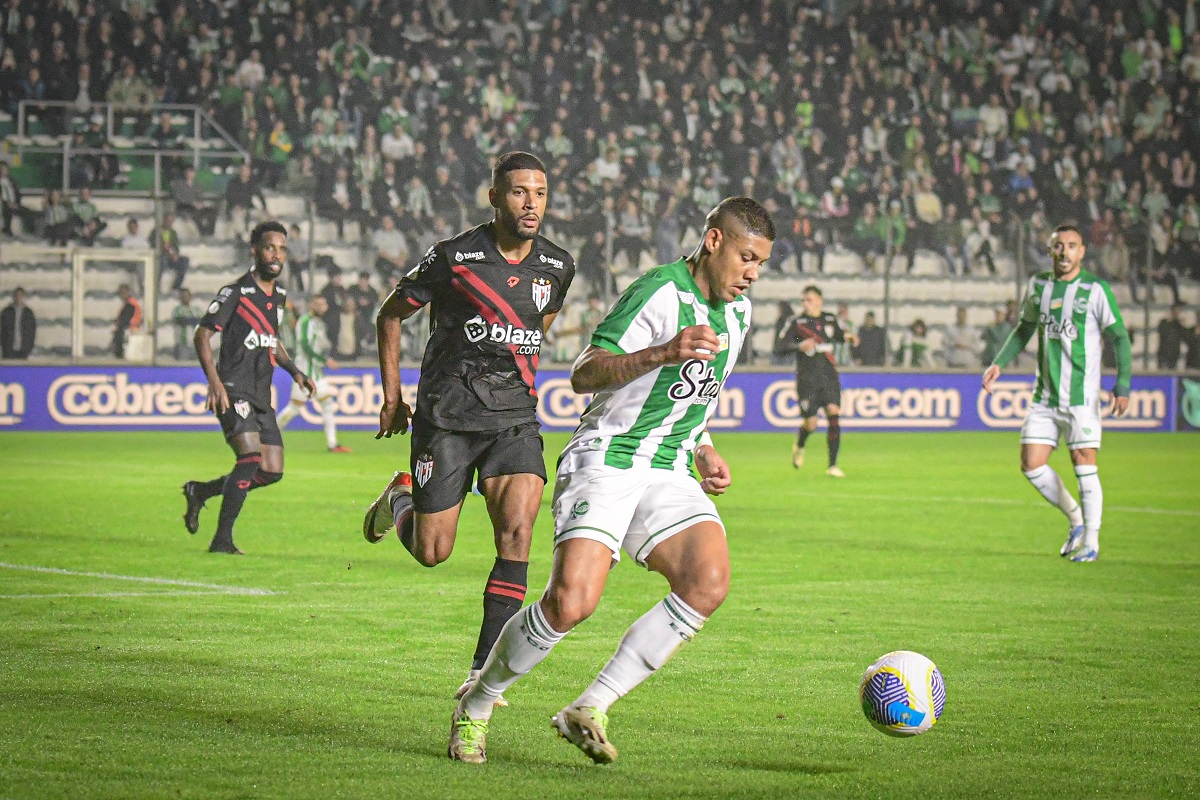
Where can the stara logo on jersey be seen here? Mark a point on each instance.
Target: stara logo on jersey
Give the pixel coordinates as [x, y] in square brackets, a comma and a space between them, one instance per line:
[871, 407]
[1007, 405]
[559, 407]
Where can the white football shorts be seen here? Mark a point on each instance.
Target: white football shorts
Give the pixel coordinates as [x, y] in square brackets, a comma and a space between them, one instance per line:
[630, 509]
[1079, 425]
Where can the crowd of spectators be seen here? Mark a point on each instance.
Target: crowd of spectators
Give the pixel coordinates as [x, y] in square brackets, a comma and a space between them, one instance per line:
[959, 127]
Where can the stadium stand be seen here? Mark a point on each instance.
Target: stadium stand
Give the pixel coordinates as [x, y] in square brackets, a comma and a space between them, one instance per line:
[1020, 117]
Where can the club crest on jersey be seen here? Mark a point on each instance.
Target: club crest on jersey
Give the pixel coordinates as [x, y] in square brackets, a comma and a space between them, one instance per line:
[554, 262]
[580, 508]
[697, 382]
[541, 292]
[423, 471]
[513, 280]
[687, 298]
[1081, 304]
[242, 408]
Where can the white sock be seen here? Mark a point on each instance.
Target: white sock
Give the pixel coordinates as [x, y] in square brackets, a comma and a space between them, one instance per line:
[647, 645]
[1048, 482]
[289, 413]
[527, 638]
[1091, 497]
[326, 407]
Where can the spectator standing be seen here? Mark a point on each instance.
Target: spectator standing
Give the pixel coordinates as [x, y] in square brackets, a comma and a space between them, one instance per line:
[185, 318]
[170, 257]
[18, 327]
[335, 296]
[10, 204]
[1171, 336]
[994, 336]
[242, 195]
[962, 342]
[299, 259]
[129, 318]
[844, 351]
[366, 301]
[871, 350]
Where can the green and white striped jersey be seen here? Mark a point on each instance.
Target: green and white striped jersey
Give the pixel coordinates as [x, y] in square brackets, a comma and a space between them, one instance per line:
[655, 420]
[312, 346]
[1071, 318]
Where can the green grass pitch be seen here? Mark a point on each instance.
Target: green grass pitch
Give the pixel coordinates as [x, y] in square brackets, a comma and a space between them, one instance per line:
[1063, 680]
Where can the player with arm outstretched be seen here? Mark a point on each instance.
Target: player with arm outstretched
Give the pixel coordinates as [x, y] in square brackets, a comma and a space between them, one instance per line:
[656, 364]
[815, 335]
[493, 292]
[247, 314]
[1070, 309]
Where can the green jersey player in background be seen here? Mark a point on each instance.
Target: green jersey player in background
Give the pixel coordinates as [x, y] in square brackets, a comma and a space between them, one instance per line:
[656, 364]
[1070, 309]
[313, 357]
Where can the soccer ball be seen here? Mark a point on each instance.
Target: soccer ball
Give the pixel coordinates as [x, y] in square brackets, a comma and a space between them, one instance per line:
[902, 693]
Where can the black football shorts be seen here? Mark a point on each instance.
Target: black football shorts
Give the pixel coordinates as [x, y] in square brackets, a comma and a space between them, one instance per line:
[443, 462]
[243, 417]
[818, 391]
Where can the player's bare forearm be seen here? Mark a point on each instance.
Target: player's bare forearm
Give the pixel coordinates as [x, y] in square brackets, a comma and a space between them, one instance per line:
[203, 342]
[597, 369]
[395, 309]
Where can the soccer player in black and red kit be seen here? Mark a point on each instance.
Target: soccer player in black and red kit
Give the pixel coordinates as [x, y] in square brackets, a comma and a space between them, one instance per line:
[814, 334]
[247, 314]
[494, 291]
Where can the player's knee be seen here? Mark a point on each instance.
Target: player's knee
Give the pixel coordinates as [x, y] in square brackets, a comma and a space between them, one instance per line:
[266, 478]
[708, 589]
[565, 609]
[431, 552]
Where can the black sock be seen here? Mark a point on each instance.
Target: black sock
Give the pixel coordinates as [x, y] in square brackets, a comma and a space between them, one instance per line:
[263, 478]
[802, 436]
[210, 489]
[502, 597]
[402, 504]
[237, 483]
[835, 438]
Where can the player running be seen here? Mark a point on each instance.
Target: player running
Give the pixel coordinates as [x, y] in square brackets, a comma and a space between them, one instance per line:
[312, 357]
[1069, 308]
[247, 314]
[656, 364]
[495, 290]
[815, 335]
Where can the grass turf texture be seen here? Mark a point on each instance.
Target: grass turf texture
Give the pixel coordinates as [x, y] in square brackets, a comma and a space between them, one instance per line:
[1063, 680]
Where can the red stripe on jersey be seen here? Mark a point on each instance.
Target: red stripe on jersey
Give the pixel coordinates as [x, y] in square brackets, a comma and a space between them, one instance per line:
[526, 366]
[412, 301]
[251, 320]
[504, 592]
[245, 303]
[487, 291]
[815, 334]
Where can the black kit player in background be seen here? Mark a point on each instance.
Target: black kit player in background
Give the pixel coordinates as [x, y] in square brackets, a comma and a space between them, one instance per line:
[247, 314]
[495, 290]
[814, 335]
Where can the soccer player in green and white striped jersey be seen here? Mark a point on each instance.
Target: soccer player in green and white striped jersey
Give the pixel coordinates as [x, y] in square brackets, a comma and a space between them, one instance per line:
[656, 365]
[313, 356]
[1070, 309]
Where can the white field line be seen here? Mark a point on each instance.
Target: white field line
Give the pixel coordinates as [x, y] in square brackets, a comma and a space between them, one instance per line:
[213, 588]
[106, 594]
[996, 501]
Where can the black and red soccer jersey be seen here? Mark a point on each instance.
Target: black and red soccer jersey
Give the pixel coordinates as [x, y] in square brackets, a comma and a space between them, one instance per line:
[248, 319]
[486, 328]
[824, 330]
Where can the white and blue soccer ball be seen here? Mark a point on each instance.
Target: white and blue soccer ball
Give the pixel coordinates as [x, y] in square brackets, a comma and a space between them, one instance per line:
[903, 693]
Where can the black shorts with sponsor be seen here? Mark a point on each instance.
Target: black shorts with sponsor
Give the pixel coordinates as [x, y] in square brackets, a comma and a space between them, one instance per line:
[242, 416]
[443, 461]
[817, 391]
